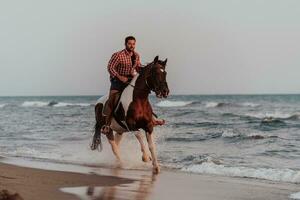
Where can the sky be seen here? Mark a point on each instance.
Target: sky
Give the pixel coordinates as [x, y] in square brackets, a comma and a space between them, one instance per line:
[62, 47]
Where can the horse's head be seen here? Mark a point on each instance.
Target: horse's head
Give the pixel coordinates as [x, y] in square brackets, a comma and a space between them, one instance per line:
[158, 76]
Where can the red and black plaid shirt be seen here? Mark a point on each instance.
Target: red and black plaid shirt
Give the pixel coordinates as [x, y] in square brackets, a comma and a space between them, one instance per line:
[120, 63]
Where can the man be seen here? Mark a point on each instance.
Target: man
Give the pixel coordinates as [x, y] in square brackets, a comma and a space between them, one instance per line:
[122, 66]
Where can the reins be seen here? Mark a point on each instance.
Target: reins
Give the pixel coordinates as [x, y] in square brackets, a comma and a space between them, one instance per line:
[146, 81]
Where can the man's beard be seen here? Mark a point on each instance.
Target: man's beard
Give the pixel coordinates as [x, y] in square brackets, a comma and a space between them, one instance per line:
[130, 49]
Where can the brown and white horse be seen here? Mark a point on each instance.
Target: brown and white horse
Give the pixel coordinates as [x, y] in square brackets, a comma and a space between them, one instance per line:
[134, 111]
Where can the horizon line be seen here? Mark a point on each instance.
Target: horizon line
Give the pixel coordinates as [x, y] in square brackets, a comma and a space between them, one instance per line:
[203, 94]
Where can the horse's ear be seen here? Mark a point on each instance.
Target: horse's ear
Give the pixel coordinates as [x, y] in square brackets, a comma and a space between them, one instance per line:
[156, 59]
[165, 62]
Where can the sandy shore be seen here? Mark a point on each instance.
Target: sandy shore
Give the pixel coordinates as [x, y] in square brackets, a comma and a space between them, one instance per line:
[37, 184]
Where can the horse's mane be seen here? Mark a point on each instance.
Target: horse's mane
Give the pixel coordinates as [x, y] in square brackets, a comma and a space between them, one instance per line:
[147, 65]
[144, 68]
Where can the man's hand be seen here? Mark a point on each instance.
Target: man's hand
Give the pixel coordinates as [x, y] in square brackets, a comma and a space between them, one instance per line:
[133, 72]
[124, 79]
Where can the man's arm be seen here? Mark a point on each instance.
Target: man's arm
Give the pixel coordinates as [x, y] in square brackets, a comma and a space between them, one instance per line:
[113, 62]
[111, 67]
[138, 64]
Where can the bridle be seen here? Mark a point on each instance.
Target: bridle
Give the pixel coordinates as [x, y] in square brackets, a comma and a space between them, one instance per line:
[149, 88]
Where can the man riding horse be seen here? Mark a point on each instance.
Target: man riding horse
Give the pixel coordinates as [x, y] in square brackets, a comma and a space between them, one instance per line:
[133, 112]
[122, 67]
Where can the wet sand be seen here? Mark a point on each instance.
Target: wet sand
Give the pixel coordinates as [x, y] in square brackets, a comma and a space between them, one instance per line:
[37, 184]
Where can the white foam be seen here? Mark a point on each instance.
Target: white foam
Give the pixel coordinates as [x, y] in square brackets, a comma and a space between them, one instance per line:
[284, 175]
[2, 105]
[276, 114]
[63, 104]
[295, 195]
[211, 104]
[35, 104]
[46, 103]
[64, 153]
[32, 153]
[168, 103]
[250, 104]
[229, 134]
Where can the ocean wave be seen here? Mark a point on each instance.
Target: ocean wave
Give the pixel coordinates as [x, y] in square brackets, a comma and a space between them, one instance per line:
[197, 124]
[63, 104]
[265, 118]
[183, 113]
[284, 175]
[272, 121]
[184, 139]
[213, 104]
[190, 137]
[35, 104]
[168, 103]
[254, 136]
[51, 103]
[192, 159]
[250, 104]
[2, 105]
[274, 115]
[295, 195]
[230, 134]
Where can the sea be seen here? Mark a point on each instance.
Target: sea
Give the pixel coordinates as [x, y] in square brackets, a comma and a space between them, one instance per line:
[254, 136]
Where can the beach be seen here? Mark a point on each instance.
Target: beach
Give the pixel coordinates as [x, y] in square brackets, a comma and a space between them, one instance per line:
[208, 95]
[37, 184]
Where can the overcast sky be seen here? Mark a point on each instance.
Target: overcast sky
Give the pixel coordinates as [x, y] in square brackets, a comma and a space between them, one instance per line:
[60, 47]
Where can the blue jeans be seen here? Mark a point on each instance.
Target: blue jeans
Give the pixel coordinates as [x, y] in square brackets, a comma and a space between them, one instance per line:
[116, 84]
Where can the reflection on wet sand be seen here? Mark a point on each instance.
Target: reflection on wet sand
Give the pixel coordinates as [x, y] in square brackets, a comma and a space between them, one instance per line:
[140, 189]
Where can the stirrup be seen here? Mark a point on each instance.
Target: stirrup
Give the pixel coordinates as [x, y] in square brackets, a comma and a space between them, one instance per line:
[105, 129]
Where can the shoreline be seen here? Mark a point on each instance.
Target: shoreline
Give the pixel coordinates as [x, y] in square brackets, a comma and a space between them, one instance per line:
[36, 184]
[58, 183]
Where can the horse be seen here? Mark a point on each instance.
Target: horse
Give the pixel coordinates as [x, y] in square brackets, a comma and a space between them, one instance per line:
[134, 112]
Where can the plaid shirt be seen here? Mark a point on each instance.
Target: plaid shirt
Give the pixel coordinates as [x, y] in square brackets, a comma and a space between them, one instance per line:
[120, 63]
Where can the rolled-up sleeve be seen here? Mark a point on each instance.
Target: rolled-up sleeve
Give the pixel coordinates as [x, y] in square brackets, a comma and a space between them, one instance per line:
[138, 63]
[112, 64]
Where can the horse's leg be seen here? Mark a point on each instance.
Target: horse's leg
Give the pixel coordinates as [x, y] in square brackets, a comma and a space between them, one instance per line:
[100, 120]
[152, 149]
[118, 137]
[145, 156]
[114, 146]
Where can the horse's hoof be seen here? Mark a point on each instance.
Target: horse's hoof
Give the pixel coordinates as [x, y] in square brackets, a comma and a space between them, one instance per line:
[93, 147]
[156, 170]
[119, 164]
[95, 144]
[146, 158]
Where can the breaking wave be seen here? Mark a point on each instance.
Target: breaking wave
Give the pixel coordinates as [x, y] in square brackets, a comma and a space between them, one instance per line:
[213, 104]
[254, 136]
[284, 175]
[51, 103]
[295, 195]
[168, 103]
[275, 115]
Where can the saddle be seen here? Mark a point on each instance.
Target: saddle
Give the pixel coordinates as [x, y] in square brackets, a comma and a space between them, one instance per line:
[118, 110]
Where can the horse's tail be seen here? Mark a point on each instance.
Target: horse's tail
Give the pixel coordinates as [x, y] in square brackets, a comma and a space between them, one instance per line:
[97, 143]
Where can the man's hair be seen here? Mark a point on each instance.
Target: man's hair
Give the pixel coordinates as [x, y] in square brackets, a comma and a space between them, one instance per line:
[129, 38]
